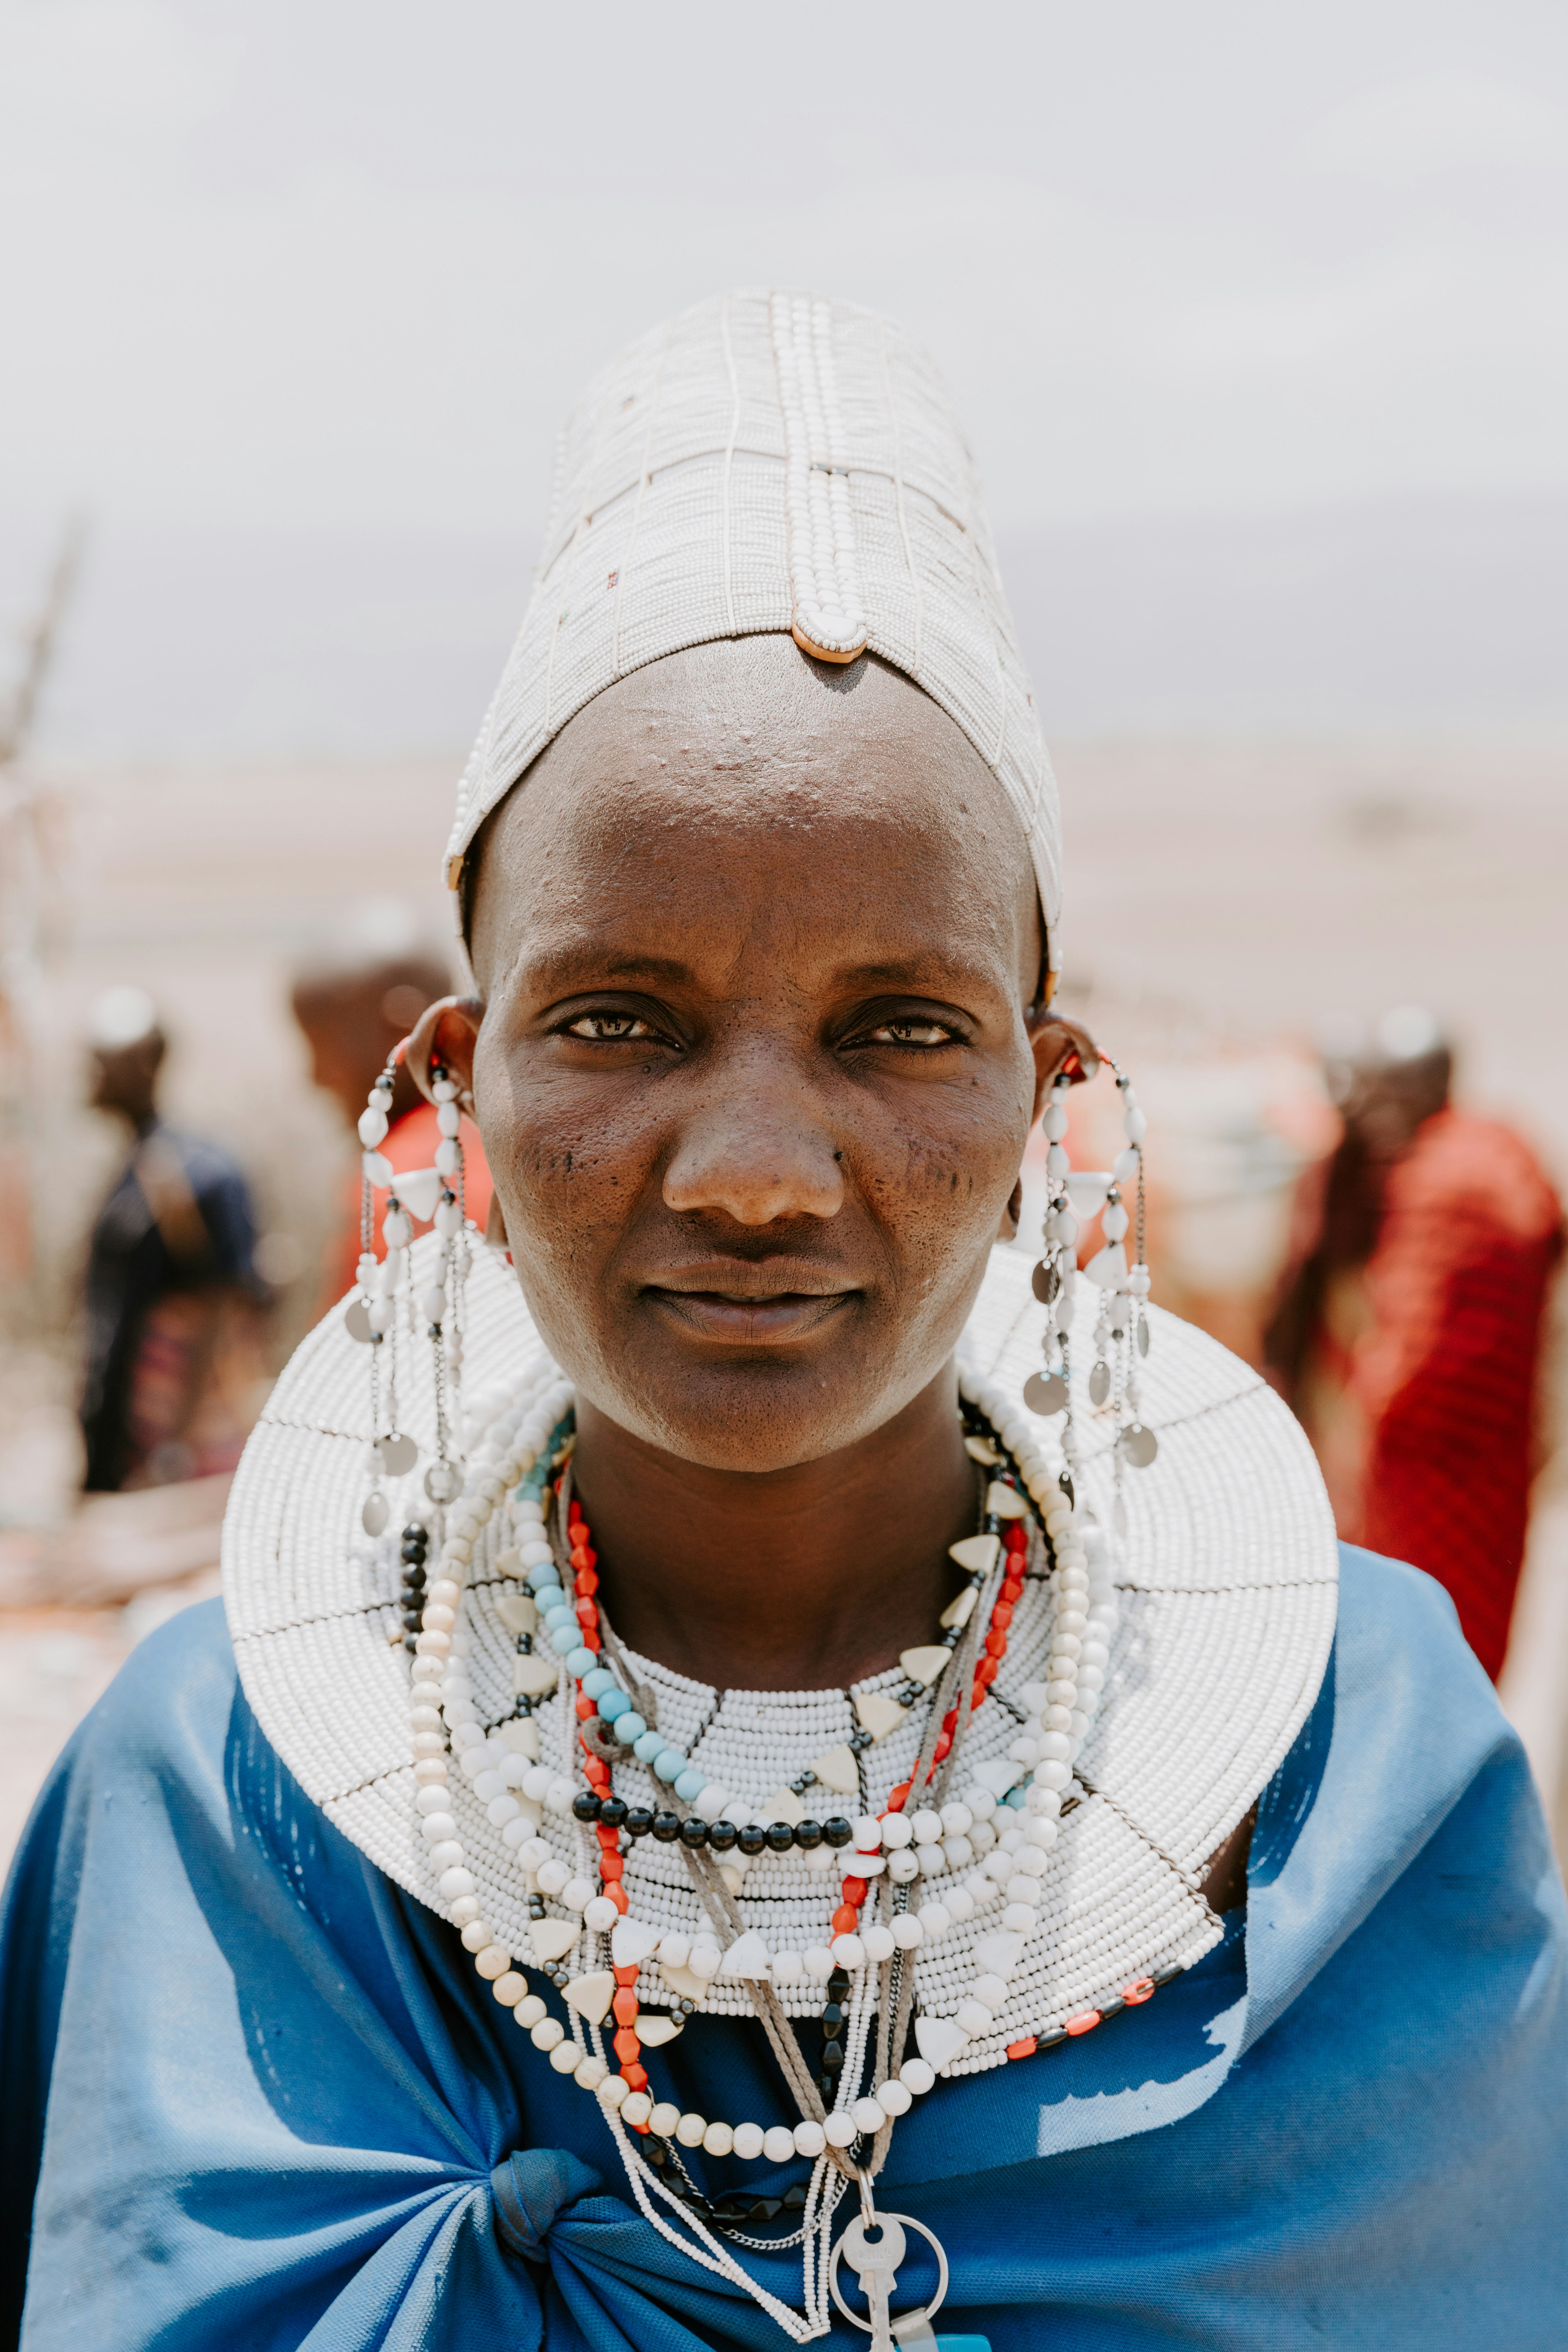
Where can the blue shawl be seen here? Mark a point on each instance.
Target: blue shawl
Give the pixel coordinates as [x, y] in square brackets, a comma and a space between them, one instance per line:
[255, 2098]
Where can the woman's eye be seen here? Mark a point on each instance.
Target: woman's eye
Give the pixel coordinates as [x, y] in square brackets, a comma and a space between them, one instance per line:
[910, 1032]
[608, 1028]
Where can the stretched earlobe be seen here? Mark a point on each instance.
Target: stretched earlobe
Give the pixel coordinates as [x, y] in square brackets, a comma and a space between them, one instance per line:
[446, 1033]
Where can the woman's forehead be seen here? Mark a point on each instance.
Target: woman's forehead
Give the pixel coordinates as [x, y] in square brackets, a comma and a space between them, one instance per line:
[727, 790]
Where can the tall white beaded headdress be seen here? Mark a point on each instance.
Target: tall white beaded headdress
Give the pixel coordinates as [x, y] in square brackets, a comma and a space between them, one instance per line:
[768, 463]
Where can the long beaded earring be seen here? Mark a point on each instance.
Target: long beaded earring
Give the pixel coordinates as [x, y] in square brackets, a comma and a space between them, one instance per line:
[372, 1317]
[441, 1301]
[1121, 1324]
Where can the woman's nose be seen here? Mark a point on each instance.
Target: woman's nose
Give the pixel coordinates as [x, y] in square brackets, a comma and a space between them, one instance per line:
[756, 1150]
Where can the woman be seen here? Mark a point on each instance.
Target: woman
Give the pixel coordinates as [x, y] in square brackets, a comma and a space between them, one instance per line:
[807, 1782]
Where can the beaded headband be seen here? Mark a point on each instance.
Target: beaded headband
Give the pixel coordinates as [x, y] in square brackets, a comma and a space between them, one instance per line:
[769, 463]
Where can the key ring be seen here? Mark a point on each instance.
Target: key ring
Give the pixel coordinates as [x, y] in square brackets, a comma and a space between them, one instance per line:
[856, 2233]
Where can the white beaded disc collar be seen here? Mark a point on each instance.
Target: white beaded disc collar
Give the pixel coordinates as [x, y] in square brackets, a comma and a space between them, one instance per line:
[1225, 1577]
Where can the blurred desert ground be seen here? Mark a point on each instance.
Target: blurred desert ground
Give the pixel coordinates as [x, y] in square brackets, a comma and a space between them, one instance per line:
[1226, 901]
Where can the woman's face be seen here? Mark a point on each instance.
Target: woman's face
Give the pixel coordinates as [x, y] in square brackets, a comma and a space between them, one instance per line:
[754, 1077]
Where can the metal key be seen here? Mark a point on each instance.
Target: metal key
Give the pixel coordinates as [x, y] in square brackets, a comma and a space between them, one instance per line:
[876, 2267]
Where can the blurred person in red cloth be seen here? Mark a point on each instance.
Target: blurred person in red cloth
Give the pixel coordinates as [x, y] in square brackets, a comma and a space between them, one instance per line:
[355, 1013]
[1410, 1341]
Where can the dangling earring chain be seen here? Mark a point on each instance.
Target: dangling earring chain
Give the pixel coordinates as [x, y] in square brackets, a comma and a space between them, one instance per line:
[386, 1285]
[1121, 1325]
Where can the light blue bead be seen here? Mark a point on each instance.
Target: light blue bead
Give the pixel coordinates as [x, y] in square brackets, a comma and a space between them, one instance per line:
[1016, 1798]
[564, 1639]
[597, 1684]
[648, 1745]
[579, 1660]
[630, 1727]
[613, 1703]
[690, 1785]
[544, 1579]
[669, 1766]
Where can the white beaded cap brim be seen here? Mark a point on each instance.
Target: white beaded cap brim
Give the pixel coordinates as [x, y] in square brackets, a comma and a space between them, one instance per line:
[769, 462]
[1227, 1584]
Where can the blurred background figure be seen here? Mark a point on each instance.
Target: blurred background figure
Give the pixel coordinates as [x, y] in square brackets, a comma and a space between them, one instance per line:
[1411, 1340]
[354, 1008]
[175, 1310]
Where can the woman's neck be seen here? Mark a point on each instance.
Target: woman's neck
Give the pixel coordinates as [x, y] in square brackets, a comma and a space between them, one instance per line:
[806, 1579]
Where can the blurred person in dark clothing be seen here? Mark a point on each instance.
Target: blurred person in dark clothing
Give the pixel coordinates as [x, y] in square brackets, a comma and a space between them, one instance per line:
[1410, 1342]
[175, 1305]
[354, 1012]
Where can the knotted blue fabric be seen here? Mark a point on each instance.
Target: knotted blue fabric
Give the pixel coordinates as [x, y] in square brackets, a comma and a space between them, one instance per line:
[254, 2097]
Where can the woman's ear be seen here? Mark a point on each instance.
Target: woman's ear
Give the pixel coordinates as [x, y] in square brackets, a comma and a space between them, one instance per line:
[1058, 1044]
[447, 1032]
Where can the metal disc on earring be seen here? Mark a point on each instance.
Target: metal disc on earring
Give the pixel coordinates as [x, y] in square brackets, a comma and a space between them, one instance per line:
[1099, 1384]
[374, 1516]
[1142, 1335]
[356, 1322]
[1139, 1445]
[441, 1482]
[1045, 1392]
[1047, 1281]
[399, 1454]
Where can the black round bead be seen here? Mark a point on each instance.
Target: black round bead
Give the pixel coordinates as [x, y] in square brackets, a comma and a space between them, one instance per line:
[413, 1620]
[666, 1827]
[781, 1836]
[639, 1820]
[693, 1830]
[613, 1812]
[585, 1805]
[808, 1834]
[416, 1533]
[838, 1832]
[415, 1574]
[721, 1836]
[409, 1641]
[753, 1838]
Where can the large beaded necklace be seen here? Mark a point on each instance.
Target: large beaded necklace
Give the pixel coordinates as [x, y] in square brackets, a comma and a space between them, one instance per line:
[565, 1645]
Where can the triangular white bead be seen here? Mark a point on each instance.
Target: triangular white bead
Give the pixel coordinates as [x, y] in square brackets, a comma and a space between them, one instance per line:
[940, 2038]
[879, 1714]
[632, 1941]
[654, 2030]
[591, 1995]
[747, 1957]
[419, 1189]
[1005, 1501]
[551, 1939]
[923, 1665]
[836, 1771]
[979, 1554]
[999, 1955]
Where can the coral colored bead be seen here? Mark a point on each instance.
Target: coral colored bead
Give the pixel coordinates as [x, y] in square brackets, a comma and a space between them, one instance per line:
[617, 1895]
[592, 1639]
[587, 1710]
[950, 1720]
[1024, 2049]
[1001, 1618]
[846, 1919]
[637, 2076]
[609, 1839]
[1140, 1988]
[996, 1642]
[624, 2005]
[987, 1672]
[626, 1976]
[853, 1891]
[611, 1866]
[942, 1747]
[587, 1582]
[899, 1797]
[587, 1612]
[1011, 1586]
[1018, 1535]
[596, 1771]
[1085, 2024]
[626, 2046]
[574, 1515]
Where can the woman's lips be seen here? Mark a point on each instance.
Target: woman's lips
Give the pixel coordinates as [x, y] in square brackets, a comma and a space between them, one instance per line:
[748, 1318]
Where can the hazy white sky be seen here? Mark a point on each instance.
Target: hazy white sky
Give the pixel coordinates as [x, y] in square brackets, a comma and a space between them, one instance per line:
[340, 267]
